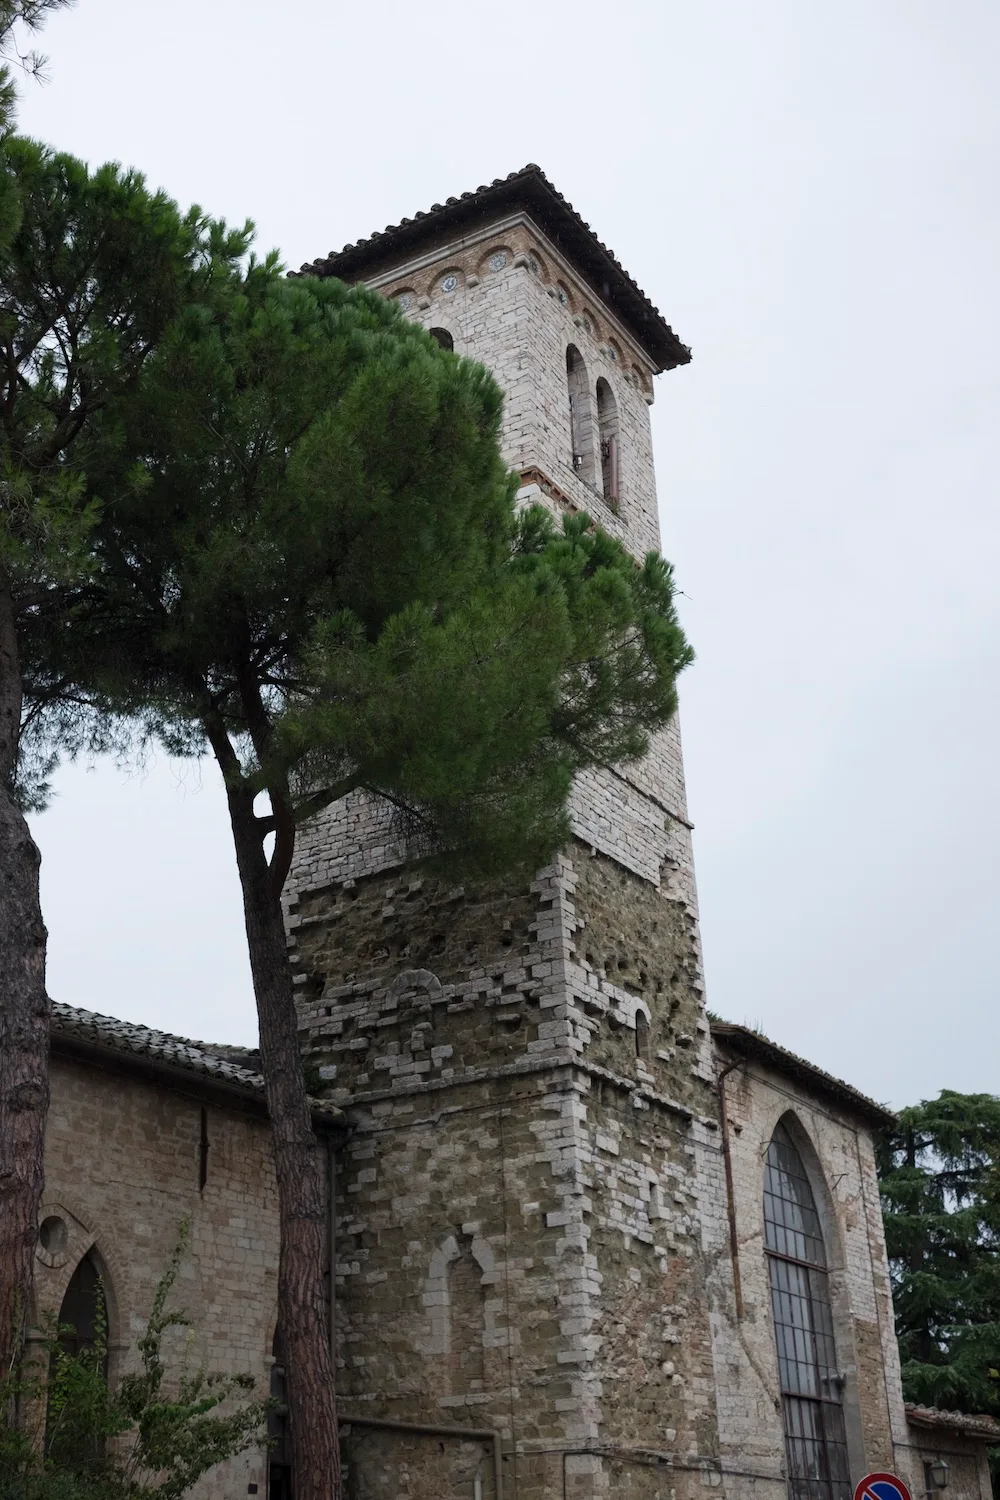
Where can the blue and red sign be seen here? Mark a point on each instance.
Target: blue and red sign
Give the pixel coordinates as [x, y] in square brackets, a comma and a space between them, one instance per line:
[881, 1487]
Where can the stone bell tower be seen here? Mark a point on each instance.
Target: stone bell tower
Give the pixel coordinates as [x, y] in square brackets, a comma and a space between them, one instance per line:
[519, 1262]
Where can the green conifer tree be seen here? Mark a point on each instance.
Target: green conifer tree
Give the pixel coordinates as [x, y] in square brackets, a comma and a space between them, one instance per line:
[92, 268]
[940, 1183]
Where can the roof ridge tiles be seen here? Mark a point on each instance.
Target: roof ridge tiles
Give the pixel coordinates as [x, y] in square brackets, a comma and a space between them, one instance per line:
[131, 1038]
[598, 264]
[755, 1044]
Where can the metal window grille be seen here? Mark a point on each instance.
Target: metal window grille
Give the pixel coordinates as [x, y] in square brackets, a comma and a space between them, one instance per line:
[815, 1441]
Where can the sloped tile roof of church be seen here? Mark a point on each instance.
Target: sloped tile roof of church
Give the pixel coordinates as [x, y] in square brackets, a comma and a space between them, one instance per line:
[954, 1421]
[753, 1045]
[87, 1032]
[531, 190]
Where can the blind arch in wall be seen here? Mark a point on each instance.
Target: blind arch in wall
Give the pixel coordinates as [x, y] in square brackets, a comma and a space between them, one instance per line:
[815, 1438]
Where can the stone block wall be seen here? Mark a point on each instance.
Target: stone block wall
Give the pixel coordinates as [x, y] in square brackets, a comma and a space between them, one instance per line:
[519, 1246]
[123, 1158]
[511, 301]
[518, 1241]
[837, 1151]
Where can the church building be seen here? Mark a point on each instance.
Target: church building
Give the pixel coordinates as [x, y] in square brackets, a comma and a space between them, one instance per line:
[586, 1241]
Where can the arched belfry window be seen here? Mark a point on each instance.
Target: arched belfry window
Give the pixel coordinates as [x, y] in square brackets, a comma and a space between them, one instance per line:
[607, 420]
[442, 337]
[580, 416]
[815, 1440]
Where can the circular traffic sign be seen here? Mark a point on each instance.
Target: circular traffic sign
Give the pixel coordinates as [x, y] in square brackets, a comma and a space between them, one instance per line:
[881, 1487]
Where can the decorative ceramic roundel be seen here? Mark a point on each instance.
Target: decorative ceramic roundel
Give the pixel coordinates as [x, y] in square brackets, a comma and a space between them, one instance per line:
[404, 301]
[449, 283]
[498, 261]
[588, 323]
[613, 352]
[561, 294]
[533, 266]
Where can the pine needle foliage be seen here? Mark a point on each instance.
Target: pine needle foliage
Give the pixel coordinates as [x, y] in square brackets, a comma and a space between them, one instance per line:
[939, 1175]
[317, 556]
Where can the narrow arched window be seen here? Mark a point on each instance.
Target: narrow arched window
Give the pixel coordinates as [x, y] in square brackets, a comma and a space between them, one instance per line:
[442, 337]
[641, 1035]
[815, 1440]
[580, 417]
[607, 421]
[466, 1321]
[81, 1316]
[279, 1479]
[83, 1338]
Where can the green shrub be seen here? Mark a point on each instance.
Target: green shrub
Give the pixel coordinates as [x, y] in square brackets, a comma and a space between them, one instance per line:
[65, 1434]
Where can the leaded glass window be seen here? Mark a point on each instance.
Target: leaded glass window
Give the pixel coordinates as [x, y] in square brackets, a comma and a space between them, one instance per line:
[815, 1441]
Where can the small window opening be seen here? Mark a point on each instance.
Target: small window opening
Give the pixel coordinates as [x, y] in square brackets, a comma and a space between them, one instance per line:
[442, 337]
[580, 417]
[641, 1035]
[607, 421]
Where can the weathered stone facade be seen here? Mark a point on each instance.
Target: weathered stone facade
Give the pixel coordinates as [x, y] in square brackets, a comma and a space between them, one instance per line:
[550, 1268]
[146, 1131]
[534, 1213]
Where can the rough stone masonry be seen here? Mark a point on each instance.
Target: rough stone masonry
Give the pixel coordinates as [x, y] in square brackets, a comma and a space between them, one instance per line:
[534, 1230]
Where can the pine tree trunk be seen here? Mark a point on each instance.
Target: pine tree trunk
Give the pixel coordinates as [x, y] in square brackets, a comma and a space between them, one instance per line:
[24, 1018]
[301, 1178]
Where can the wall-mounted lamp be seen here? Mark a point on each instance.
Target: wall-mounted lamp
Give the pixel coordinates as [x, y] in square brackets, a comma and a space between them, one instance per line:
[936, 1475]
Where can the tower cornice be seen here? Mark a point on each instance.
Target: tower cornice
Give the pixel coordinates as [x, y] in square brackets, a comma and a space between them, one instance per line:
[528, 190]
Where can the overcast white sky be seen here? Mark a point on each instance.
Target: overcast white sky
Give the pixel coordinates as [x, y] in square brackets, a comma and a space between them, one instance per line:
[809, 194]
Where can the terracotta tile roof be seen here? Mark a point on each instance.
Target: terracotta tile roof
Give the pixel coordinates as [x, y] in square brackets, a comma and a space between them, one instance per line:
[530, 190]
[76, 1030]
[954, 1421]
[753, 1045]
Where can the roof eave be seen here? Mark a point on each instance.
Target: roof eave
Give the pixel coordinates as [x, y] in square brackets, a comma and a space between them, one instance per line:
[970, 1424]
[222, 1091]
[758, 1048]
[530, 190]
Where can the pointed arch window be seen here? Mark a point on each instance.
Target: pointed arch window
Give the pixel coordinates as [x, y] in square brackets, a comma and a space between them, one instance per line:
[83, 1335]
[815, 1439]
[82, 1312]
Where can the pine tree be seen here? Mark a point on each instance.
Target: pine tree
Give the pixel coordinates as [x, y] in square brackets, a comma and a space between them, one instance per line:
[313, 566]
[940, 1183]
[92, 269]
